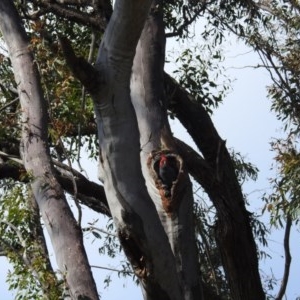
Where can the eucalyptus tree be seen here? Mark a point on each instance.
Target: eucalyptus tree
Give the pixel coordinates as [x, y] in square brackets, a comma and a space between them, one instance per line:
[273, 32]
[152, 208]
[279, 52]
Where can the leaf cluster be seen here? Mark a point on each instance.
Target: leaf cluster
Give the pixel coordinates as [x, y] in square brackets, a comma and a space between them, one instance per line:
[284, 201]
[199, 74]
[31, 277]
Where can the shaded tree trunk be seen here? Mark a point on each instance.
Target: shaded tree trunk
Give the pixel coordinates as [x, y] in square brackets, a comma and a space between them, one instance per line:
[233, 229]
[64, 232]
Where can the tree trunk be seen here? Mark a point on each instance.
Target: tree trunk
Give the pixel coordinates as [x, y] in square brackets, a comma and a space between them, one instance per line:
[233, 229]
[64, 232]
[120, 167]
[40, 260]
[140, 231]
[175, 207]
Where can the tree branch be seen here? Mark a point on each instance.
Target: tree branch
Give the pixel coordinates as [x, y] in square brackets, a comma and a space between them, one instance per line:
[233, 231]
[80, 67]
[196, 165]
[9, 104]
[186, 22]
[288, 258]
[89, 193]
[70, 12]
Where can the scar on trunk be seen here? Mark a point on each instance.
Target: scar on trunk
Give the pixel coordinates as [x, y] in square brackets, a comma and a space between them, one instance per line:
[166, 169]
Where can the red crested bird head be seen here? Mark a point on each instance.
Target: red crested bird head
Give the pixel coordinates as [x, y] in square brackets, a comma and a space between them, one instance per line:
[163, 160]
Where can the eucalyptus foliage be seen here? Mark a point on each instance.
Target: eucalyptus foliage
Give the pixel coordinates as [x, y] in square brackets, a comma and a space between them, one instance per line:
[270, 28]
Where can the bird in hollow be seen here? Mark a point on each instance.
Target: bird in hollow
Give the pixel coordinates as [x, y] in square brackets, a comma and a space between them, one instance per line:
[168, 171]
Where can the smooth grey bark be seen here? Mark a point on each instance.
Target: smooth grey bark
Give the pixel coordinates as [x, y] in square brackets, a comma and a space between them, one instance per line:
[147, 94]
[141, 233]
[47, 278]
[216, 175]
[64, 232]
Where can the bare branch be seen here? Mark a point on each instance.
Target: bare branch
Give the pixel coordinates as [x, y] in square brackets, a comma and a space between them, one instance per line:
[114, 270]
[80, 67]
[70, 12]
[91, 228]
[9, 104]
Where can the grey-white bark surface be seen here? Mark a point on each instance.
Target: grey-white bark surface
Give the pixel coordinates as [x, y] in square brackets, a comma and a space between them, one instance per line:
[175, 209]
[64, 232]
[141, 233]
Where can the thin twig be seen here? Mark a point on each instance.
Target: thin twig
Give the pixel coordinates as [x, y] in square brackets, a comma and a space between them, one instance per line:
[186, 23]
[9, 104]
[114, 270]
[83, 99]
[11, 157]
[90, 228]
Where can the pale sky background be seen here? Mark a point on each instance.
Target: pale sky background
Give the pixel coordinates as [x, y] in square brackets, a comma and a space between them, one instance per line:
[245, 122]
